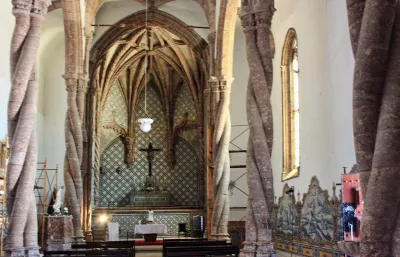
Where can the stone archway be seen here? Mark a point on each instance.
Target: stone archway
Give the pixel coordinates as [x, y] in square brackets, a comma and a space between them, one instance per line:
[119, 55]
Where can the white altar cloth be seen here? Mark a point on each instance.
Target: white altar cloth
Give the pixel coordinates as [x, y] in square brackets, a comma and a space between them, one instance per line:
[113, 231]
[151, 229]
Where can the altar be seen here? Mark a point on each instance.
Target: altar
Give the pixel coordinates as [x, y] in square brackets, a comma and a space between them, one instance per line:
[127, 195]
[150, 231]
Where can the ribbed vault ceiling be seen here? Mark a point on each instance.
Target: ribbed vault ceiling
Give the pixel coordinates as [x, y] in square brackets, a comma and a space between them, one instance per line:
[172, 59]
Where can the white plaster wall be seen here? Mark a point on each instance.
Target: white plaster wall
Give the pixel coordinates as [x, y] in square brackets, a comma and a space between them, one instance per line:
[240, 133]
[6, 28]
[325, 80]
[340, 68]
[52, 93]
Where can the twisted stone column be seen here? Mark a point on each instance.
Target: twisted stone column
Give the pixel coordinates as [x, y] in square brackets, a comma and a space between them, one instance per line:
[97, 143]
[90, 119]
[21, 171]
[221, 160]
[73, 157]
[375, 34]
[260, 51]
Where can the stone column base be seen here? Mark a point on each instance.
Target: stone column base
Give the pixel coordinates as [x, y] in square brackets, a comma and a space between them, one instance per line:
[220, 237]
[80, 240]
[89, 236]
[265, 249]
[351, 248]
[58, 233]
[32, 252]
[248, 250]
[15, 252]
[23, 252]
[259, 249]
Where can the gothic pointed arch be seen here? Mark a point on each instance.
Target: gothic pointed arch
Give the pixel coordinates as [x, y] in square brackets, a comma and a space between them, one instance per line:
[290, 106]
[157, 61]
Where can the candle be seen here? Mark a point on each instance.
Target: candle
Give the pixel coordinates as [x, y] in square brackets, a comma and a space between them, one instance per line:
[351, 231]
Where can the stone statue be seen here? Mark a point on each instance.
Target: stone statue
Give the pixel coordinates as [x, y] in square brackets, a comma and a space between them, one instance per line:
[150, 216]
[58, 202]
[66, 211]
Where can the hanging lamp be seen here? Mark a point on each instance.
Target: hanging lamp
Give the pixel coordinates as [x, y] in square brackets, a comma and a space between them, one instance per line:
[145, 123]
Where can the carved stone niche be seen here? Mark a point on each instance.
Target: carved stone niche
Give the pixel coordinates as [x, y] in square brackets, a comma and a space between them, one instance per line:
[59, 232]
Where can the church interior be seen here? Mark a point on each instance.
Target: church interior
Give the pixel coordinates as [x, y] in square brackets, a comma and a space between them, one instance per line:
[200, 128]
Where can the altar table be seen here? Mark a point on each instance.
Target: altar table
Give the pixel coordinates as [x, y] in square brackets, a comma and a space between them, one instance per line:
[150, 231]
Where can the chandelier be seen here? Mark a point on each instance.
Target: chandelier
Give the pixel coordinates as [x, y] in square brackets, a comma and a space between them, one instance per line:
[145, 123]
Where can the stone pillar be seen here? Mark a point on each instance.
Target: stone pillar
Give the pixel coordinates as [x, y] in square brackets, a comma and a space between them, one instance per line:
[209, 95]
[73, 158]
[59, 230]
[91, 167]
[256, 21]
[21, 206]
[81, 102]
[221, 159]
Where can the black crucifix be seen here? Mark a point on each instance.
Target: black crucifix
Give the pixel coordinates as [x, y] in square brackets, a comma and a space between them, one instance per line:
[150, 155]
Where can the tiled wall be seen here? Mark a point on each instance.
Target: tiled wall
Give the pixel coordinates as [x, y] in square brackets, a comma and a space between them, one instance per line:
[308, 227]
[183, 181]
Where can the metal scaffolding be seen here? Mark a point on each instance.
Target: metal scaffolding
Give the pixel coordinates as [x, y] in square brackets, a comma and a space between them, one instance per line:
[3, 174]
[46, 183]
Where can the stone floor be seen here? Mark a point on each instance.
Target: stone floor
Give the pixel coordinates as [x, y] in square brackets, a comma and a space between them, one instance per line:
[149, 251]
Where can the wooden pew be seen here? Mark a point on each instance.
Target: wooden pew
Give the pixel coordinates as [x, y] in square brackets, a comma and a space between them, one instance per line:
[107, 248]
[202, 251]
[130, 245]
[98, 253]
[171, 243]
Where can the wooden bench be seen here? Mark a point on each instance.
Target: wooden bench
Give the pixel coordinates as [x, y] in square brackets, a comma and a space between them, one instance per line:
[105, 244]
[194, 244]
[99, 253]
[184, 239]
[107, 248]
[202, 251]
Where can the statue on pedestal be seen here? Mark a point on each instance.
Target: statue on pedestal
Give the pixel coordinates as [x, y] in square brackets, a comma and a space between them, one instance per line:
[58, 202]
[150, 217]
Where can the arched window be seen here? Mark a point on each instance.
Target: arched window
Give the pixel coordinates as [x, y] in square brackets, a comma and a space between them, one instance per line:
[291, 107]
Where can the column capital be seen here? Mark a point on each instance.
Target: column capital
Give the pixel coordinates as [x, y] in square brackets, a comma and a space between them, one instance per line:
[248, 22]
[264, 18]
[40, 8]
[225, 83]
[83, 76]
[21, 6]
[83, 82]
[71, 81]
[213, 83]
